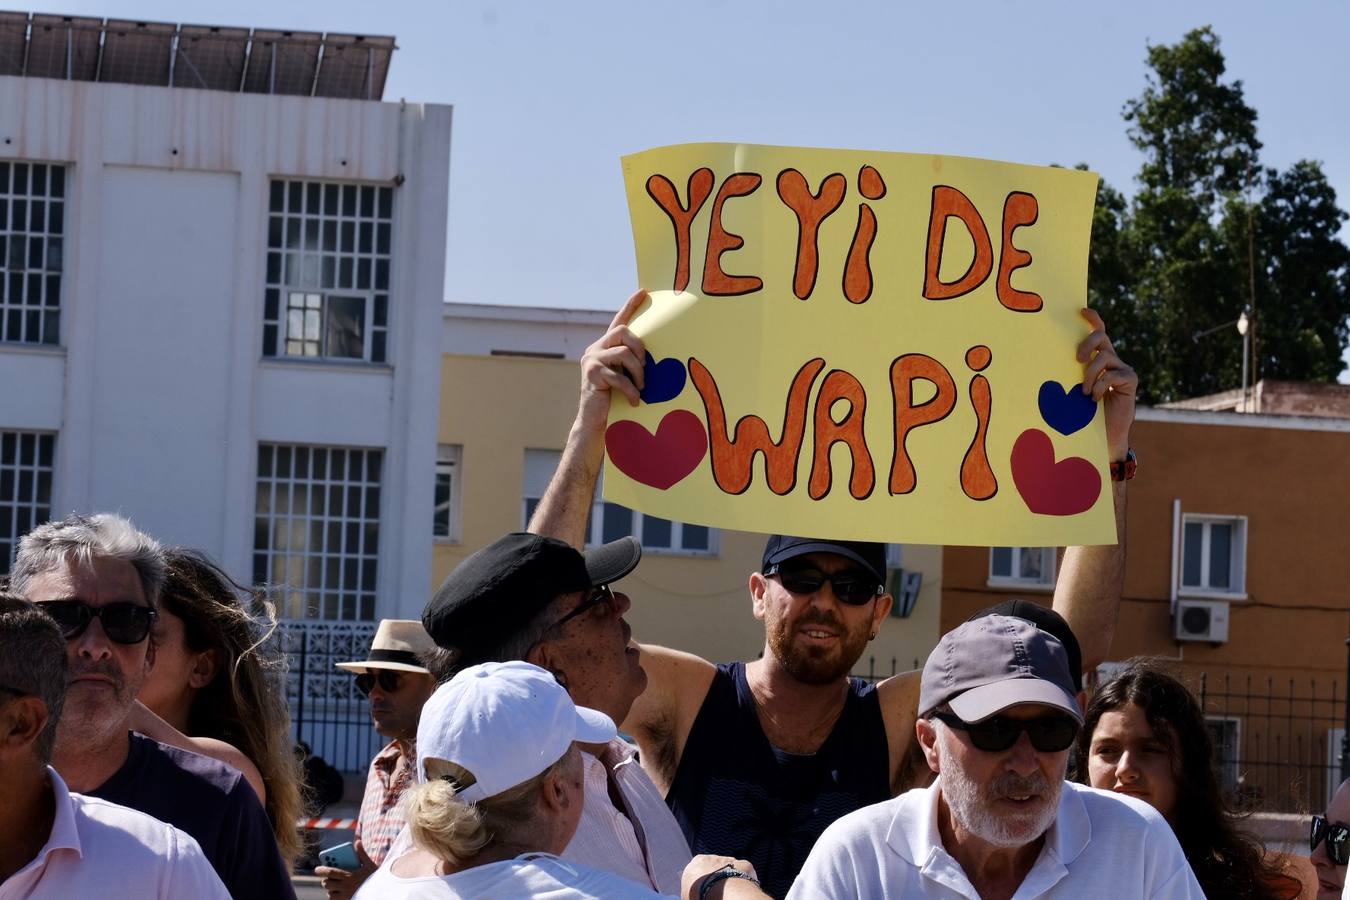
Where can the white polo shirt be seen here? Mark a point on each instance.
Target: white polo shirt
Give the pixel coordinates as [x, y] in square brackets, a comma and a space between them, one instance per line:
[1100, 845]
[100, 849]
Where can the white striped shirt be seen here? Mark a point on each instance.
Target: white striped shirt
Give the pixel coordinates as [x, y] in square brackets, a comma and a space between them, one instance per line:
[643, 843]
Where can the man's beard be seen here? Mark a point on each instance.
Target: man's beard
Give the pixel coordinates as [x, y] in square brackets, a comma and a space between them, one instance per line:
[90, 715]
[972, 804]
[816, 665]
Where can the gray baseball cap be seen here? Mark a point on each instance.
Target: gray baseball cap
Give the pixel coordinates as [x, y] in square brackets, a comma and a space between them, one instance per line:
[991, 663]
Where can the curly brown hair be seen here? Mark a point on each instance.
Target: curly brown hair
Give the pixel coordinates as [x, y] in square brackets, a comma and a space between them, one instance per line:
[1227, 861]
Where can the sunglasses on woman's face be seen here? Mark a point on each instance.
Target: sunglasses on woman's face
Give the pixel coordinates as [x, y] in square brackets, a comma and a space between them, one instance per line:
[1337, 836]
[1048, 734]
[387, 679]
[123, 623]
[853, 587]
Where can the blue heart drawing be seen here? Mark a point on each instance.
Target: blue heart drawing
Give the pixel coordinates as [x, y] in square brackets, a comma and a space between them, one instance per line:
[664, 380]
[1066, 411]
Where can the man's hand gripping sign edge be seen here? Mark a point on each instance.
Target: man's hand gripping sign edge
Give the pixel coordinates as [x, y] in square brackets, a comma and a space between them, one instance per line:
[875, 346]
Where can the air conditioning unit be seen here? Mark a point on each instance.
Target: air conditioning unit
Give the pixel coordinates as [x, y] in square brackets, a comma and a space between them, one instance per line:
[1201, 620]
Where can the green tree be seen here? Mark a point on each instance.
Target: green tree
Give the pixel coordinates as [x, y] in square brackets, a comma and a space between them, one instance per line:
[1303, 276]
[1198, 137]
[1210, 234]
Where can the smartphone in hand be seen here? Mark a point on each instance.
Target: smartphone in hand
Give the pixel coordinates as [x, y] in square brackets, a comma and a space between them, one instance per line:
[343, 856]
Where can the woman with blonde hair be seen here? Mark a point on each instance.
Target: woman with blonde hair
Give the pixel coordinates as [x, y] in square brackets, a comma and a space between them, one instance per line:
[220, 677]
[500, 795]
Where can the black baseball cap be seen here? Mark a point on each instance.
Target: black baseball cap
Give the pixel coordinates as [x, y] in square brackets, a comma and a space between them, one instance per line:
[1046, 620]
[782, 547]
[499, 588]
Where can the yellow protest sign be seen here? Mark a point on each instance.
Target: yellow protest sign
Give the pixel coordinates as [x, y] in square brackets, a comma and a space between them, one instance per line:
[865, 345]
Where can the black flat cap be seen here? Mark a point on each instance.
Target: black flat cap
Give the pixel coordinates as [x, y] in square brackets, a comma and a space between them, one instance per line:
[499, 588]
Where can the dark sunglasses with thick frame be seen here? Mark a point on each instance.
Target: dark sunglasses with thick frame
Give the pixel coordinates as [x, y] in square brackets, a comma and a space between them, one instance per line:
[1048, 734]
[123, 623]
[1337, 836]
[389, 681]
[601, 594]
[853, 586]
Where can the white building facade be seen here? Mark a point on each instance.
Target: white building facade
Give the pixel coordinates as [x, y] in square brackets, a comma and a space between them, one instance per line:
[220, 309]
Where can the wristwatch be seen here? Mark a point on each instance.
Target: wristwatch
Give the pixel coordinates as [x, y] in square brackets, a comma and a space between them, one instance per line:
[1125, 469]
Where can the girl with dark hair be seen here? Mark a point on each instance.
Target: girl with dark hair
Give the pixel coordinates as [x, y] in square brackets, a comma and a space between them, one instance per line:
[220, 676]
[1144, 735]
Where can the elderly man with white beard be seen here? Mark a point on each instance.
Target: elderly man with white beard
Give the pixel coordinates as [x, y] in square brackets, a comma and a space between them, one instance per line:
[997, 718]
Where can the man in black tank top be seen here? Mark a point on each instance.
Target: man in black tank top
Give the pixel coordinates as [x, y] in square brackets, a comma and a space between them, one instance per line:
[756, 759]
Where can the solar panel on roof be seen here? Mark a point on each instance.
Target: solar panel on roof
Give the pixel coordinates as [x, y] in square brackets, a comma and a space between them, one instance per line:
[210, 58]
[282, 62]
[53, 39]
[136, 52]
[353, 65]
[13, 42]
[196, 56]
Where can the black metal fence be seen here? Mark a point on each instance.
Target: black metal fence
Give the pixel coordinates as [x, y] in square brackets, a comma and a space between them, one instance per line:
[327, 711]
[1277, 742]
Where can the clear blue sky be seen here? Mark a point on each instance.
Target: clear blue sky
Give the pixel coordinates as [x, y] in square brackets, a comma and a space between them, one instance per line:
[548, 96]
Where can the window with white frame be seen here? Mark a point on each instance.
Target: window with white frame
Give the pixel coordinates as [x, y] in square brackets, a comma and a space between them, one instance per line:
[1022, 566]
[27, 460]
[445, 521]
[316, 538]
[327, 271]
[32, 228]
[1213, 554]
[611, 521]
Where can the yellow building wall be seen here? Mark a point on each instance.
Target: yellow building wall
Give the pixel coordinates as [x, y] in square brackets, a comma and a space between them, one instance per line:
[496, 407]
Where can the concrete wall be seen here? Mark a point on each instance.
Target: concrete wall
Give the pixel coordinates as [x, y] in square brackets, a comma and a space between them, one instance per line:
[159, 390]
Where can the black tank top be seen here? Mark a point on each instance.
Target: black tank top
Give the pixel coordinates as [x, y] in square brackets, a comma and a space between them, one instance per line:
[735, 794]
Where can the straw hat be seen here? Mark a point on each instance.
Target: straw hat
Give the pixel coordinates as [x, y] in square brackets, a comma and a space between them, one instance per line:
[397, 645]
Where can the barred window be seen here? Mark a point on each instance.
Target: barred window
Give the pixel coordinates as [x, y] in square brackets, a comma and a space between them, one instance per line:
[445, 518]
[316, 537]
[1022, 566]
[32, 225]
[328, 256]
[27, 459]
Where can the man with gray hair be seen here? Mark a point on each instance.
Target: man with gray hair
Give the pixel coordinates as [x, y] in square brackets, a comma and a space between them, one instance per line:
[54, 843]
[997, 718]
[537, 599]
[99, 578]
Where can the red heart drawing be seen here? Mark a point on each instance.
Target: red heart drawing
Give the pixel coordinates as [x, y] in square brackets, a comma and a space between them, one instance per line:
[662, 459]
[1064, 488]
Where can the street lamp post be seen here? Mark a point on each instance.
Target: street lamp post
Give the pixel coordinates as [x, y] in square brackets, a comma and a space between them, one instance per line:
[1243, 324]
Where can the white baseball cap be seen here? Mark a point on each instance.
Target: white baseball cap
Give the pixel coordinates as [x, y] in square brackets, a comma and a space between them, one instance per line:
[503, 723]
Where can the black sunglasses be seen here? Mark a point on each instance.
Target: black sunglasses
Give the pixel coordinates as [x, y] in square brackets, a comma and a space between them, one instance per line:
[123, 623]
[1048, 734]
[852, 587]
[1337, 836]
[387, 679]
[17, 692]
[602, 594]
